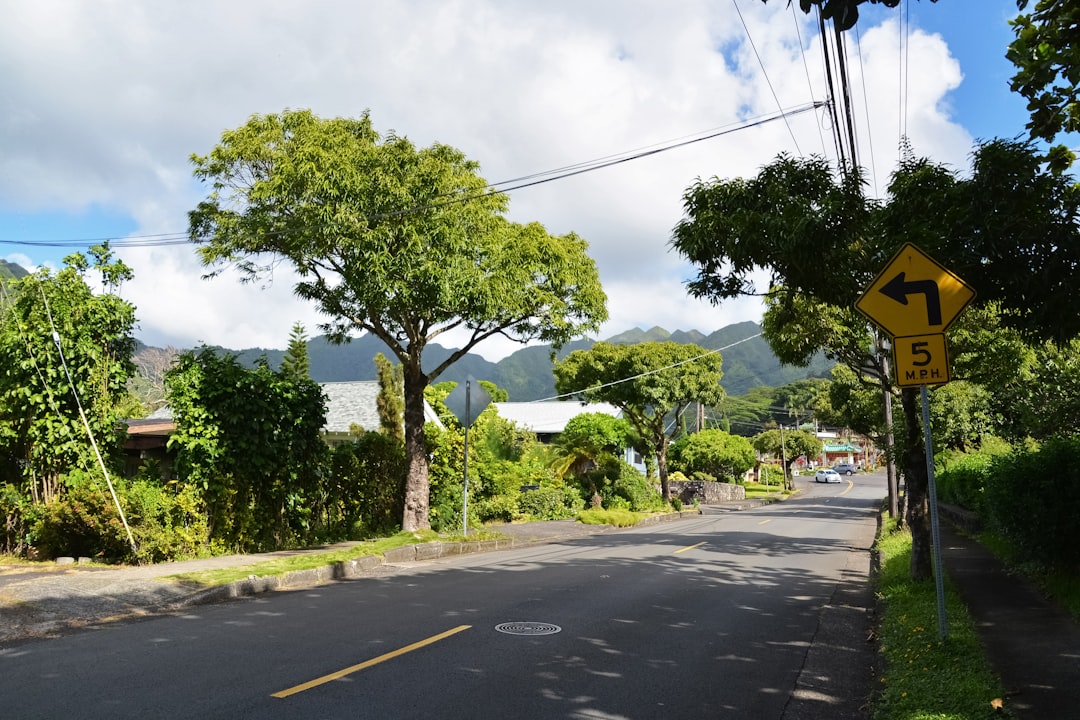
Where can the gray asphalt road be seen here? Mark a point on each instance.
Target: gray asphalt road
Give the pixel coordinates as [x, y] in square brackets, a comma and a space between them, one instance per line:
[721, 616]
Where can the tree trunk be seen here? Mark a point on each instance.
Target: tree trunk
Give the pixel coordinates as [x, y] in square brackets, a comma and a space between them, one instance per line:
[916, 484]
[417, 487]
[661, 462]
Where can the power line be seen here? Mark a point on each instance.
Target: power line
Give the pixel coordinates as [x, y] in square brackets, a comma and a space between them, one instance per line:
[764, 72]
[806, 69]
[649, 372]
[505, 186]
[866, 108]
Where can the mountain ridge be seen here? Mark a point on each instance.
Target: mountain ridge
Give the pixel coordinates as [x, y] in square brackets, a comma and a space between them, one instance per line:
[527, 374]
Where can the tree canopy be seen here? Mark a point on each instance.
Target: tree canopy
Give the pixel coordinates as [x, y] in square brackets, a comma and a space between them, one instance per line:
[1010, 230]
[652, 383]
[401, 242]
[716, 453]
[1046, 53]
[59, 338]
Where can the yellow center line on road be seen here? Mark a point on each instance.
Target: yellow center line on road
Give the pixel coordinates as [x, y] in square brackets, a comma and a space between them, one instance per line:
[850, 485]
[691, 547]
[765, 521]
[368, 663]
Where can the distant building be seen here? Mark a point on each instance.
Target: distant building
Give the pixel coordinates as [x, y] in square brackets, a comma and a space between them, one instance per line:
[347, 404]
[548, 418]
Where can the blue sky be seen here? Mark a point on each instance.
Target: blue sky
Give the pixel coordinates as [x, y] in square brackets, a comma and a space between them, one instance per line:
[102, 105]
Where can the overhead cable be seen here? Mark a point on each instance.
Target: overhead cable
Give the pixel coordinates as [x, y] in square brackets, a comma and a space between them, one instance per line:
[505, 186]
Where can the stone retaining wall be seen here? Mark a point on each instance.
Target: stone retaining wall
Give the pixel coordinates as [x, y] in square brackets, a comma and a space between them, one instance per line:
[706, 493]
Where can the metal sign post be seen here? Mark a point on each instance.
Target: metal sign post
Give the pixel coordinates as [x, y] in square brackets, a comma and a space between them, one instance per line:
[460, 402]
[465, 464]
[935, 527]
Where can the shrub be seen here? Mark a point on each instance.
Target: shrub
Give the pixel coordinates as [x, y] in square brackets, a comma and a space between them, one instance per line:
[621, 486]
[1031, 497]
[550, 503]
[500, 508]
[20, 515]
[365, 493]
[83, 522]
[961, 482]
[166, 522]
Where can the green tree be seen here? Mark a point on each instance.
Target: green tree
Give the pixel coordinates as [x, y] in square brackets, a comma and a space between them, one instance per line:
[63, 348]
[715, 453]
[1046, 53]
[855, 403]
[653, 383]
[800, 398]
[251, 441]
[787, 446]
[1010, 230]
[295, 364]
[400, 242]
[391, 400]
[586, 438]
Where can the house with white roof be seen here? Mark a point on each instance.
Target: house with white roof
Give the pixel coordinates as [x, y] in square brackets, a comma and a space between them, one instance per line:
[548, 418]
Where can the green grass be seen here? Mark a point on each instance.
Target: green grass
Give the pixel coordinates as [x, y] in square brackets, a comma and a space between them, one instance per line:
[306, 561]
[757, 491]
[618, 518]
[925, 678]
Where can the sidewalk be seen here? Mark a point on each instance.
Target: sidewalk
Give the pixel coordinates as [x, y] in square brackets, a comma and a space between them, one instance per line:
[1032, 645]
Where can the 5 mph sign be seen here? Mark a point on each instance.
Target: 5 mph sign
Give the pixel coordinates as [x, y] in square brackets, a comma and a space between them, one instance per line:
[915, 299]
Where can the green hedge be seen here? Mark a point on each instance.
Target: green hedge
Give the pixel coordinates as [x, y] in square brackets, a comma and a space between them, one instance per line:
[1032, 498]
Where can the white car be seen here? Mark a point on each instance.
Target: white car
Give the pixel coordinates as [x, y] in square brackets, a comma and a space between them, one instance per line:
[827, 475]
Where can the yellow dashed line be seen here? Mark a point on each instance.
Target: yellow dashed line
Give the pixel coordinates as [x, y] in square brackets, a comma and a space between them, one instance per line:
[687, 548]
[374, 661]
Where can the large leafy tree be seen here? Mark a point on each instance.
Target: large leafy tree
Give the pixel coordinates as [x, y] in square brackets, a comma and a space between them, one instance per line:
[1010, 230]
[65, 354]
[653, 383]
[401, 242]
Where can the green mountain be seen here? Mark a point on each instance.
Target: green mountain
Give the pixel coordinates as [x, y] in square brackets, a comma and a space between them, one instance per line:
[11, 271]
[527, 374]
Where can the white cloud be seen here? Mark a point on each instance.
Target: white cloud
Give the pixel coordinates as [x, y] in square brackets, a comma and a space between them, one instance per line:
[104, 103]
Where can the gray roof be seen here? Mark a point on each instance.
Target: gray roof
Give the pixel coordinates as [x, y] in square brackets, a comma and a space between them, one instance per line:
[356, 402]
[550, 416]
[347, 403]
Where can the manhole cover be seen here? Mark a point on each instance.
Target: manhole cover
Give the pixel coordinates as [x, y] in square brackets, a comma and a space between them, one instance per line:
[528, 628]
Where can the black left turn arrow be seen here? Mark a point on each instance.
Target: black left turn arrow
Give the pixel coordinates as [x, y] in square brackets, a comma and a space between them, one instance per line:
[899, 288]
